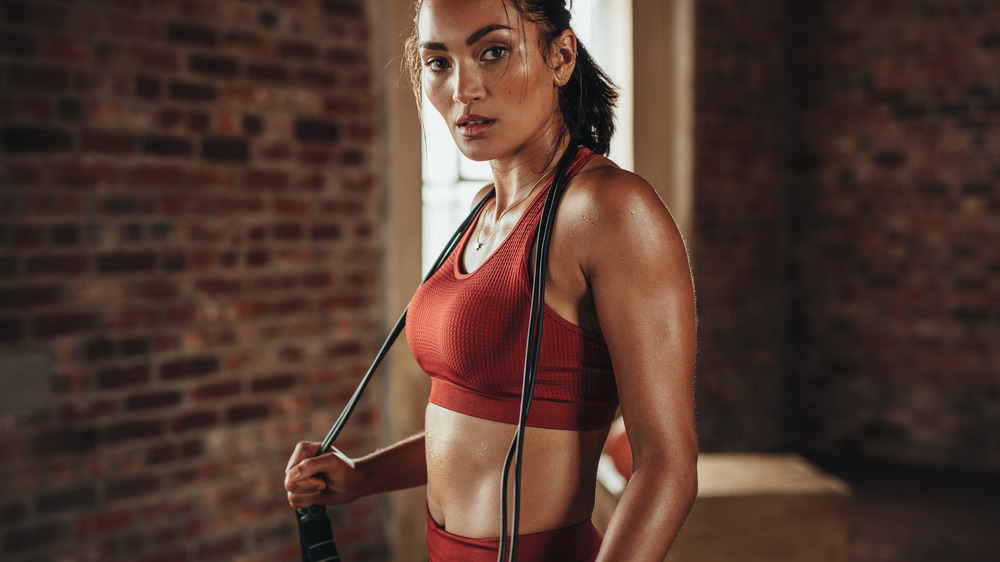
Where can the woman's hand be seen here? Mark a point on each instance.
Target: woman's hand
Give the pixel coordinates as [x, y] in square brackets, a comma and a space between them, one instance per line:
[328, 479]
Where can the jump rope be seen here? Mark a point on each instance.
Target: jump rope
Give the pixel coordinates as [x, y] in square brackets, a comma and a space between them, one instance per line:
[315, 532]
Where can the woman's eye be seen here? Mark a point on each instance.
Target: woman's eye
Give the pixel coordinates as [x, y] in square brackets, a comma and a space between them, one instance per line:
[494, 53]
[436, 65]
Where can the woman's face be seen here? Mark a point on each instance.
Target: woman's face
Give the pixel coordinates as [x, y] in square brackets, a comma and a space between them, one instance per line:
[484, 73]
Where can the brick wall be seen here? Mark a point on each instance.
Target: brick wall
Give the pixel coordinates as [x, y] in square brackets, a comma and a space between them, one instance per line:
[736, 223]
[189, 272]
[895, 217]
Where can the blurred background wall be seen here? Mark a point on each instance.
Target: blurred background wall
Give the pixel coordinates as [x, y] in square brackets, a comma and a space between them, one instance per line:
[191, 271]
[191, 253]
[846, 238]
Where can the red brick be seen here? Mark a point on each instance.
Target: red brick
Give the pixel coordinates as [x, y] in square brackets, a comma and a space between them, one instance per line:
[12, 448]
[189, 368]
[71, 498]
[51, 79]
[332, 231]
[27, 538]
[66, 441]
[117, 377]
[267, 179]
[153, 59]
[194, 421]
[343, 8]
[29, 296]
[77, 411]
[314, 77]
[155, 176]
[103, 112]
[214, 66]
[12, 512]
[259, 72]
[273, 383]
[221, 547]
[247, 43]
[19, 139]
[277, 151]
[56, 204]
[187, 206]
[68, 50]
[11, 330]
[220, 149]
[216, 391]
[290, 206]
[238, 205]
[257, 258]
[246, 96]
[105, 522]
[57, 265]
[219, 285]
[23, 174]
[133, 28]
[86, 175]
[192, 92]
[247, 309]
[35, 14]
[36, 109]
[127, 431]
[316, 130]
[126, 262]
[152, 400]
[18, 43]
[64, 324]
[148, 88]
[126, 488]
[189, 34]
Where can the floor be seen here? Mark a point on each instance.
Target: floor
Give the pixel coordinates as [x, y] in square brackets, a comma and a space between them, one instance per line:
[911, 514]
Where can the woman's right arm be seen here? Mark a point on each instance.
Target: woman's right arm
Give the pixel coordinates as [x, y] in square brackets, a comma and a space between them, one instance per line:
[332, 478]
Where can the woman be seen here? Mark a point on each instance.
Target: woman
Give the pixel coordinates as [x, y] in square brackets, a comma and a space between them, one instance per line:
[517, 89]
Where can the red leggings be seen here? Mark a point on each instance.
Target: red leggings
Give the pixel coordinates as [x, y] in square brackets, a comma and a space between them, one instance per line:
[576, 543]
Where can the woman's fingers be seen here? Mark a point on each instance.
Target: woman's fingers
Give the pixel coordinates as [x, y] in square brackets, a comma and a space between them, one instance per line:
[309, 479]
[303, 450]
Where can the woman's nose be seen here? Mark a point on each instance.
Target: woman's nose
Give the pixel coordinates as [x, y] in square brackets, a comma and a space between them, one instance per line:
[468, 87]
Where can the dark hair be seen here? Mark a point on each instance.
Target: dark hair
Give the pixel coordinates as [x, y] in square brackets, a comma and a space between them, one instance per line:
[587, 100]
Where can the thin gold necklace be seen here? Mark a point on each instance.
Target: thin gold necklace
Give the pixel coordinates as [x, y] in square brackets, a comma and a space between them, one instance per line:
[479, 239]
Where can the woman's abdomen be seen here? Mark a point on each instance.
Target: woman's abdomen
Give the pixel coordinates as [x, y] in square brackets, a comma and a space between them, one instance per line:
[465, 457]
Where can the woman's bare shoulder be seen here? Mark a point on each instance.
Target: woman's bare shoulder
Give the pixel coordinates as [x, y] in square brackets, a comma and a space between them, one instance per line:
[602, 194]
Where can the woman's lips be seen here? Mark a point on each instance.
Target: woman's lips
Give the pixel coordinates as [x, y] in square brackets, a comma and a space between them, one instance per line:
[473, 125]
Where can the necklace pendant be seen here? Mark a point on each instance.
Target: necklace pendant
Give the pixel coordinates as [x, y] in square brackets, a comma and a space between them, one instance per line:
[478, 245]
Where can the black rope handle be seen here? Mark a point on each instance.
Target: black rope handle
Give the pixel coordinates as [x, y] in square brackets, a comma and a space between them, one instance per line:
[542, 239]
[315, 532]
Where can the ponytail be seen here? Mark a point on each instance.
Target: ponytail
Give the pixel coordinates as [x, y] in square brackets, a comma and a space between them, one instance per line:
[587, 103]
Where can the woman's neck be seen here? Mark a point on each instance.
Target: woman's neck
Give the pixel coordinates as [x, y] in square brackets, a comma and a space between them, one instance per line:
[515, 176]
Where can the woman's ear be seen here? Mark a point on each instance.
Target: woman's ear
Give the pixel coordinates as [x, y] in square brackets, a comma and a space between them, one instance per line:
[563, 57]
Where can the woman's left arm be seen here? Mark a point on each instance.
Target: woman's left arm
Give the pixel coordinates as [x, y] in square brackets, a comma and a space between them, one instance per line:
[637, 267]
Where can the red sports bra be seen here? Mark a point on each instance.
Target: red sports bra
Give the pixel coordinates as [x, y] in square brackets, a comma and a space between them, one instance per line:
[468, 331]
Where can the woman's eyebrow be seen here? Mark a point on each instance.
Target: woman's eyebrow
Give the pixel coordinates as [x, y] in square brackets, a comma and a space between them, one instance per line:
[479, 33]
[471, 40]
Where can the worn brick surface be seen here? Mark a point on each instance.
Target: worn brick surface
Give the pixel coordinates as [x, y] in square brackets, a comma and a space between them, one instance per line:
[165, 173]
[894, 219]
[737, 219]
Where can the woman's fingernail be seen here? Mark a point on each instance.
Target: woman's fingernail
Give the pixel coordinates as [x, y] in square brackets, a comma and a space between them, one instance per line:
[295, 473]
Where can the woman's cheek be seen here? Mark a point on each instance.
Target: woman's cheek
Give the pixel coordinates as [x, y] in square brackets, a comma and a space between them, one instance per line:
[433, 89]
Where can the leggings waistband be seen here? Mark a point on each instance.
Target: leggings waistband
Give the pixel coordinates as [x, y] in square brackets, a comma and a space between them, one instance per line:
[576, 543]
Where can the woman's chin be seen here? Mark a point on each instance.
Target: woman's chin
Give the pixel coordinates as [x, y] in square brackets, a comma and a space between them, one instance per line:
[473, 152]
